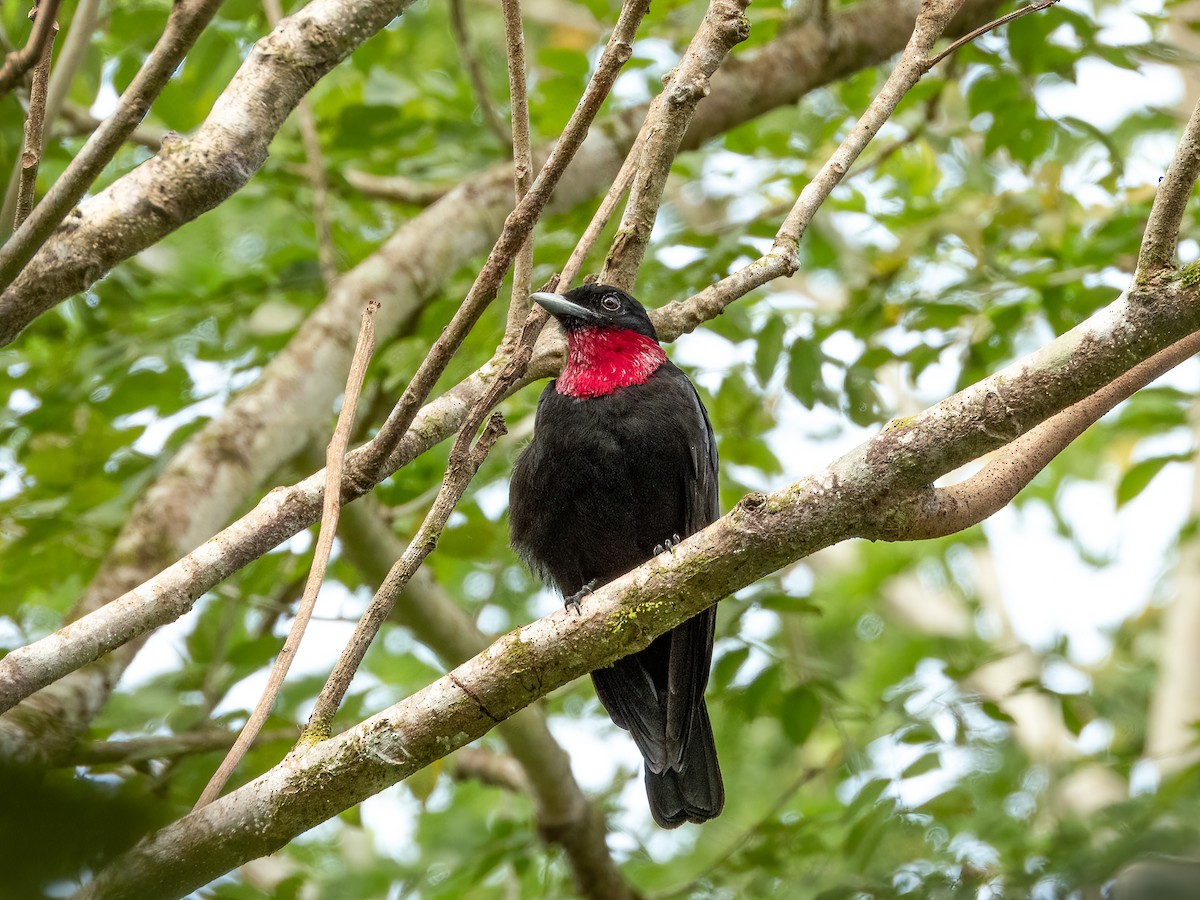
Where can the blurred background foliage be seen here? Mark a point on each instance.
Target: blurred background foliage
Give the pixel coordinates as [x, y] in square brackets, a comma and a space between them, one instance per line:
[864, 755]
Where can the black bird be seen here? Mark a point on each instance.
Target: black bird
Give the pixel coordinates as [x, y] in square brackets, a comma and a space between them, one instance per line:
[622, 465]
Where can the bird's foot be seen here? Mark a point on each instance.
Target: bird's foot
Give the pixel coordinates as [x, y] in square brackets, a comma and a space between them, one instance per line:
[668, 544]
[573, 600]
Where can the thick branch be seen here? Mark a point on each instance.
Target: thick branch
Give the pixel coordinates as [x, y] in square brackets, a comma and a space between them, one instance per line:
[1170, 202]
[189, 176]
[186, 20]
[957, 507]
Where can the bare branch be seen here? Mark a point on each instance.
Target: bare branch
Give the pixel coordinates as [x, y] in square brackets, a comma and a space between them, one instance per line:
[782, 259]
[491, 118]
[984, 29]
[724, 27]
[186, 20]
[1170, 203]
[35, 119]
[315, 170]
[951, 509]
[17, 63]
[335, 455]
[522, 160]
[462, 468]
[74, 50]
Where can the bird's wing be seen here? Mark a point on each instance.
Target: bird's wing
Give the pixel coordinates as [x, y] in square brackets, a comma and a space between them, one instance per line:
[628, 693]
[692, 642]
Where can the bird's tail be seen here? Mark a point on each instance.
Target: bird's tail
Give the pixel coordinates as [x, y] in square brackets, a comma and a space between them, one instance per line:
[693, 792]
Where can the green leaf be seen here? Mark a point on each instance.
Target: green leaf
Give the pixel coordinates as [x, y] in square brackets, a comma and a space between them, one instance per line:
[1138, 476]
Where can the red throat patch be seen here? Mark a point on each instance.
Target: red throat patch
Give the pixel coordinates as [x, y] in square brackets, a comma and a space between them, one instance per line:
[602, 360]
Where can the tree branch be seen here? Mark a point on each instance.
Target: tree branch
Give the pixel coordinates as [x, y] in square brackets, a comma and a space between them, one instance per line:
[1170, 203]
[315, 170]
[35, 119]
[984, 29]
[724, 27]
[464, 463]
[171, 746]
[335, 454]
[186, 20]
[951, 509]
[396, 188]
[17, 63]
[522, 160]
[783, 258]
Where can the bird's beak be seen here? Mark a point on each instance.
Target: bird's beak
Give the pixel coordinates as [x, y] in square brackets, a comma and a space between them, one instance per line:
[560, 307]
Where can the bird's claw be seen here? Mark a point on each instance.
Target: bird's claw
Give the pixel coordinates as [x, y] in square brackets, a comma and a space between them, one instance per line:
[668, 544]
[572, 602]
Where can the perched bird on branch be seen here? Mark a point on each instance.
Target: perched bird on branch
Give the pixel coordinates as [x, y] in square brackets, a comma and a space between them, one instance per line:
[623, 464]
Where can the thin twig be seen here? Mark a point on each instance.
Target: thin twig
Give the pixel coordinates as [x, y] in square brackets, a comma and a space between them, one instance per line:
[724, 27]
[186, 21]
[783, 259]
[984, 29]
[1170, 202]
[516, 228]
[459, 473]
[17, 63]
[491, 118]
[74, 50]
[315, 169]
[522, 160]
[35, 120]
[332, 506]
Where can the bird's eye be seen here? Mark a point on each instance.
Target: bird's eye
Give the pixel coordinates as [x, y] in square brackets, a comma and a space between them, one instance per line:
[611, 303]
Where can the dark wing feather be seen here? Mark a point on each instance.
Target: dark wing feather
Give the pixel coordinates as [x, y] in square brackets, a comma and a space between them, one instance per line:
[692, 642]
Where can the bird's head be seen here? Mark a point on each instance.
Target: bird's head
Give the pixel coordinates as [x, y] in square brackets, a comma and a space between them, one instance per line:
[610, 340]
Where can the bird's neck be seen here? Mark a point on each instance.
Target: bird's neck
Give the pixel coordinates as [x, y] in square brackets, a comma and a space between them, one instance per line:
[603, 360]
